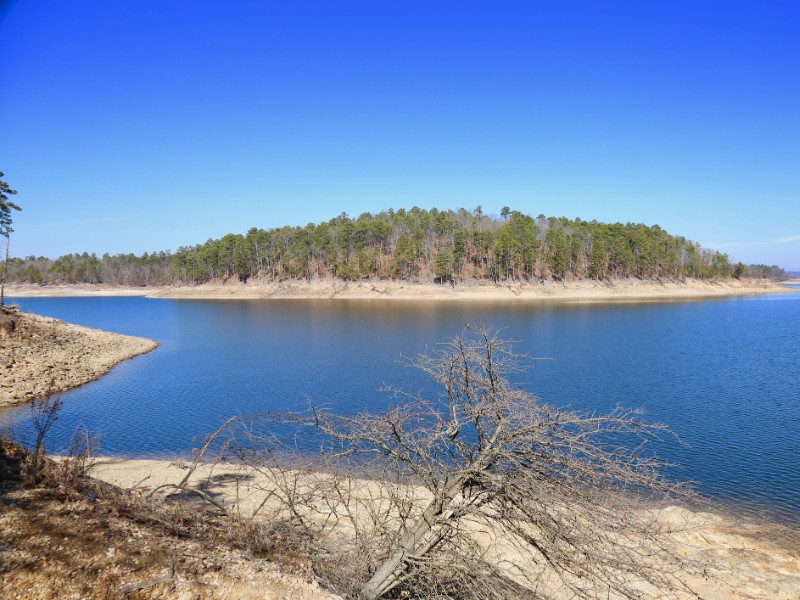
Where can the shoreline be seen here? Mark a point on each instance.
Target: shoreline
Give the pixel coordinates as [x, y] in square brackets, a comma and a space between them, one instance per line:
[628, 290]
[41, 355]
[743, 559]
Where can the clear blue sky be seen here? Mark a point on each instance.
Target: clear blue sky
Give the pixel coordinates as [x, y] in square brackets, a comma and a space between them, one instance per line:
[147, 125]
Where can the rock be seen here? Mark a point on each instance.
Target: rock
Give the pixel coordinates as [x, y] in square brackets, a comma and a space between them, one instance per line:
[44, 356]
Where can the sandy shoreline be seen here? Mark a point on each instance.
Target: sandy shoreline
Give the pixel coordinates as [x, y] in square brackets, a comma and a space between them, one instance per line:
[742, 561]
[575, 291]
[40, 355]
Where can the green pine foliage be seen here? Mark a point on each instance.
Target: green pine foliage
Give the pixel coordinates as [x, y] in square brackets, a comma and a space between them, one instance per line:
[6, 206]
[411, 245]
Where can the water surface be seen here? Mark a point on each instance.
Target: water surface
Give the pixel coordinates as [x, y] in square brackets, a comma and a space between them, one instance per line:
[722, 373]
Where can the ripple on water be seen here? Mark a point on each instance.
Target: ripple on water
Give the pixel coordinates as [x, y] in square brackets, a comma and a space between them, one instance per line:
[721, 373]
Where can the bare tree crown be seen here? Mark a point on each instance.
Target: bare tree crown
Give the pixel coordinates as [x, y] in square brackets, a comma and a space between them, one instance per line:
[514, 498]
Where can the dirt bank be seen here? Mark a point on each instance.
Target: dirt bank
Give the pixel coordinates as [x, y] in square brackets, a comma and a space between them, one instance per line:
[39, 355]
[67, 537]
[577, 291]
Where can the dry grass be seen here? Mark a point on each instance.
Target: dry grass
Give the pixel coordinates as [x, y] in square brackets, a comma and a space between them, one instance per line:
[66, 535]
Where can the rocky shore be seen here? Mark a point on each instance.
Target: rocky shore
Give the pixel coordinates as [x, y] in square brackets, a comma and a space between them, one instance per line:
[631, 290]
[40, 355]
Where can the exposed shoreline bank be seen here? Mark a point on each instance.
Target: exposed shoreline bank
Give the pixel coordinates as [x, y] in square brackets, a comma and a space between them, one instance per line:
[742, 559]
[632, 290]
[40, 355]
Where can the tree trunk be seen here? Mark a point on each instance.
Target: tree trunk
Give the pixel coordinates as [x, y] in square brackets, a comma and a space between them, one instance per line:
[387, 574]
[3, 278]
[385, 578]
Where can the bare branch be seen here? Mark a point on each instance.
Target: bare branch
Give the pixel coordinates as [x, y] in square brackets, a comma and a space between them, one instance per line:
[483, 492]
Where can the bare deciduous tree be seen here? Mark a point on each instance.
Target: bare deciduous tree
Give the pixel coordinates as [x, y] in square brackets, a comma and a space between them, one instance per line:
[44, 414]
[482, 492]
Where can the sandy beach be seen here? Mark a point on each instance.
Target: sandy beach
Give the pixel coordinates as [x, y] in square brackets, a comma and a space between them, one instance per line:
[40, 355]
[634, 290]
[740, 560]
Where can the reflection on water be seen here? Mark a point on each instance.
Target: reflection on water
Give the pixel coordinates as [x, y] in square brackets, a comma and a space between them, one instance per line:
[723, 373]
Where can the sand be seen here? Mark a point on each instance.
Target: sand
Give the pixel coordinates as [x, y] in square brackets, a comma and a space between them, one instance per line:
[40, 355]
[632, 290]
[742, 560]
[77, 290]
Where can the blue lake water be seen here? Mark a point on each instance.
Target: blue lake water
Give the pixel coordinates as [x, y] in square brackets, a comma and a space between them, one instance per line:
[723, 374]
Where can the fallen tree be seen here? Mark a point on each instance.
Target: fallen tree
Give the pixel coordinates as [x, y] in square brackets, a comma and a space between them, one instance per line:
[481, 492]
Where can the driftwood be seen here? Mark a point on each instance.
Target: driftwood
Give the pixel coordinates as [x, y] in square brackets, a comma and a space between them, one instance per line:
[203, 449]
[140, 482]
[143, 585]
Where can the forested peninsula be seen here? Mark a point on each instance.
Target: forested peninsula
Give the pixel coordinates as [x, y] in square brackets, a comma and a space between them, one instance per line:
[415, 245]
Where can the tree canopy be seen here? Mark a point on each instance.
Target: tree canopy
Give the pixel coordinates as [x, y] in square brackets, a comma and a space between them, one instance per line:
[448, 246]
[6, 206]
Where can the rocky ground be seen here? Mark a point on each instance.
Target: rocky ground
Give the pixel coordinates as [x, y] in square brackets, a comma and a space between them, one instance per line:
[64, 537]
[630, 290]
[40, 355]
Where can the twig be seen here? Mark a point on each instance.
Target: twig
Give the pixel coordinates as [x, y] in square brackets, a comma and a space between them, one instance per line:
[202, 451]
[143, 585]
[138, 483]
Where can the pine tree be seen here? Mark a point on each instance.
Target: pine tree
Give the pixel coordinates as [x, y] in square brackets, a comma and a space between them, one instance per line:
[6, 206]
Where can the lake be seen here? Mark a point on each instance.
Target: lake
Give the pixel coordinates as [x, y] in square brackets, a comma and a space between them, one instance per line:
[723, 373]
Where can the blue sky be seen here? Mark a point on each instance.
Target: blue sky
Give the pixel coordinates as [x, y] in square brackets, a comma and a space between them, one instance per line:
[140, 126]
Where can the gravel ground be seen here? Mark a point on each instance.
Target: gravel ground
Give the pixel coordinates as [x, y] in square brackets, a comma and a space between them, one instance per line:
[40, 355]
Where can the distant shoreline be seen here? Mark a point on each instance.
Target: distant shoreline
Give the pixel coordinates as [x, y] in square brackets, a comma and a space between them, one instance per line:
[631, 290]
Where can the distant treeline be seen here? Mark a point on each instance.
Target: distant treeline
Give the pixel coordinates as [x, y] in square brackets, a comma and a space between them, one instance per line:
[412, 245]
